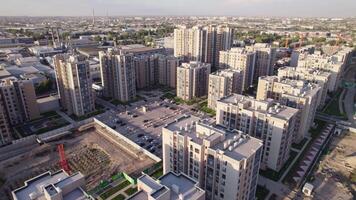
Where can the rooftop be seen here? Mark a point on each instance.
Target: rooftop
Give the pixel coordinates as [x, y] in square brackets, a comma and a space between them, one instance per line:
[52, 183]
[232, 143]
[177, 185]
[262, 106]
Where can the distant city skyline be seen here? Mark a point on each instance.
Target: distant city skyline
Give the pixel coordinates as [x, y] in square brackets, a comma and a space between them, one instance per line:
[273, 8]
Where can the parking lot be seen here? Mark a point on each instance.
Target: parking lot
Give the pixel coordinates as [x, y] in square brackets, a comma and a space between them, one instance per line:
[144, 126]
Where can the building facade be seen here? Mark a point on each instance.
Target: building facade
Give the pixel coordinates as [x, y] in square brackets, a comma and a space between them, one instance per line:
[74, 84]
[202, 44]
[19, 100]
[192, 80]
[223, 83]
[266, 120]
[297, 94]
[118, 75]
[242, 60]
[225, 163]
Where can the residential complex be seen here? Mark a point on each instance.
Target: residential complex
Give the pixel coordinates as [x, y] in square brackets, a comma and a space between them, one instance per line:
[74, 84]
[223, 83]
[242, 60]
[19, 100]
[170, 186]
[335, 64]
[299, 94]
[192, 80]
[224, 162]
[314, 75]
[263, 119]
[118, 75]
[202, 43]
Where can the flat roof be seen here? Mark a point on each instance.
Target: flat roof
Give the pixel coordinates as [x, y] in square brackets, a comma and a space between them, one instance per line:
[218, 135]
[49, 181]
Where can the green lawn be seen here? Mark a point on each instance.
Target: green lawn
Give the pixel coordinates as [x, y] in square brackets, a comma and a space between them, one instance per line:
[119, 197]
[118, 102]
[131, 191]
[92, 114]
[273, 175]
[261, 192]
[333, 106]
[115, 189]
[204, 108]
[157, 173]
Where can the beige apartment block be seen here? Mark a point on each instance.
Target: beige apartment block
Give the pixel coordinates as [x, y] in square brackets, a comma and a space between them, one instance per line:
[320, 77]
[202, 44]
[192, 80]
[19, 99]
[118, 75]
[167, 67]
[74, 84]
[223, 83]
[263, 119]
[265, 58]
[224, 162]
[242, 60]
[302, 95]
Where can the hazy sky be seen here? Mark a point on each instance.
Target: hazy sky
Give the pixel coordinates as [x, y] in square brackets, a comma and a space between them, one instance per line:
[306, 8]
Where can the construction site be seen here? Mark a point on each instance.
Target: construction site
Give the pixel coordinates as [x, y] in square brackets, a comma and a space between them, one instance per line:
[335, 175]
[94, 151]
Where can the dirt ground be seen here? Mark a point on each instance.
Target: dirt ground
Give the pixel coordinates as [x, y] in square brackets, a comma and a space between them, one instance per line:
[95, 155]
[332, 179]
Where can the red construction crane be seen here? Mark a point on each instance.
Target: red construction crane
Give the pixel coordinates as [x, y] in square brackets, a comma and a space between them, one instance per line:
[62, 158]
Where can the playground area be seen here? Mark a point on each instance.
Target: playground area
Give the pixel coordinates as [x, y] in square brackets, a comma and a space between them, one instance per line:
[92, 152]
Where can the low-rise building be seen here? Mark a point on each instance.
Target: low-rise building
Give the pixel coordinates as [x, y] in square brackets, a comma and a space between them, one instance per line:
[53, 186]
[170, 186]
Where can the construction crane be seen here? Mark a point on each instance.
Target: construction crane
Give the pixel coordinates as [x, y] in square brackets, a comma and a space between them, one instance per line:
[62, 158]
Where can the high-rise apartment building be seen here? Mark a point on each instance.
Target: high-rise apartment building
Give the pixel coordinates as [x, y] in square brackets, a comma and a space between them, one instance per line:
[19, 100]
[146, 71]
[265, 58]
[299, 94]
[223, 83]
[74, 84]
[118, 75]
[167, 67]
[5, 134]
[314, 75]
[192, 80]
[242, 60]
[335, 63]
[202, 43]
[155, 69]
[225, 163]
[266, 120]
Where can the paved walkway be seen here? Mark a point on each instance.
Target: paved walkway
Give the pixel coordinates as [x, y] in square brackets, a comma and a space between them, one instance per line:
[65, 116]
[122, 191]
